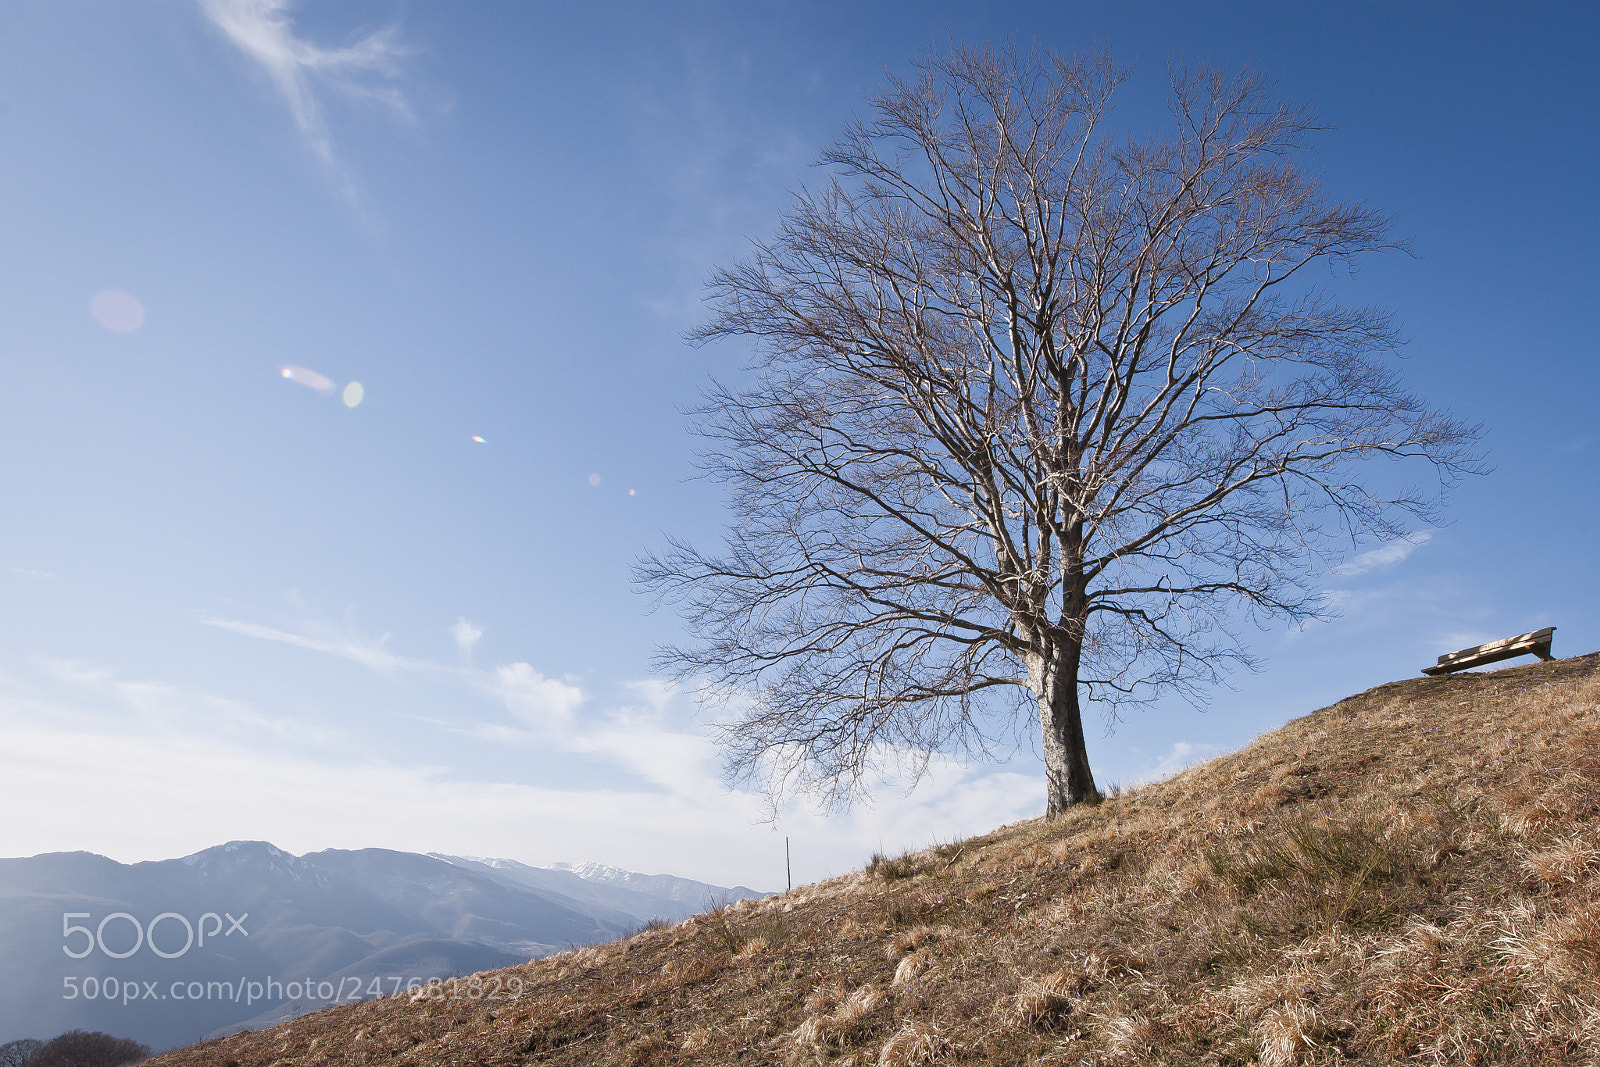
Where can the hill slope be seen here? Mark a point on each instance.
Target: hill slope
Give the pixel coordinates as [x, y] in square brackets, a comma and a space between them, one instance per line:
[1413, 872]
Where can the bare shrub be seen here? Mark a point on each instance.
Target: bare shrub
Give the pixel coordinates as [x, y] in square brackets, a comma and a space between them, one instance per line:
[17, 1053]
[744, 938]
[651, 925]
[85, 1048]
[896, 868]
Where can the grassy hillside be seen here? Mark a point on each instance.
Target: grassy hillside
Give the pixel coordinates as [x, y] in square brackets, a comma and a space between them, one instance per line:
[1410, 874]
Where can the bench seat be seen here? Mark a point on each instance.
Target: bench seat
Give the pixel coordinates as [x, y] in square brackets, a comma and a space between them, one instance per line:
[1537, 642]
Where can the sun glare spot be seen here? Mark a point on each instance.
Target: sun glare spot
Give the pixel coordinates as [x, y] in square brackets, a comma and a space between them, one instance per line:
[353, 394]
[117, 311]
[480, 440]
[308, 378]
[630, 492]
[594, 479]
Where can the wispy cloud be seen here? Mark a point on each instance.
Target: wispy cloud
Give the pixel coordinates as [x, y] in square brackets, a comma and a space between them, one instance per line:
[649, 743]
[1181, 756]
[302, 72]
[1574, 445]
[544, 708]
[1457, 640]
[1384, 556]
[104, 702]
[371, 653]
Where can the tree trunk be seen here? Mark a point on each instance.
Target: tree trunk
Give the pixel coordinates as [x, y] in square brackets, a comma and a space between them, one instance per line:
[1066, 760]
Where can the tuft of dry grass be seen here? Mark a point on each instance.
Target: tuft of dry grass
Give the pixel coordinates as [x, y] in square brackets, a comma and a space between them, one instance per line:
[1569, 861]
[1044, 1000]
[893, 869]
[912, 1044]
[835, 1029]
[1410, 875]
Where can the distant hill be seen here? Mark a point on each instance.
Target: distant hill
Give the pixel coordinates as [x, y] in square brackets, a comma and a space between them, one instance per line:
[316, 929]
[636, 897]
[1409, 875]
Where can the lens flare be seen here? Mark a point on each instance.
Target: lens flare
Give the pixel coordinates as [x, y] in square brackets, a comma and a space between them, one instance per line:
[630, 492]
[308, 378]
[352, 394]
[480, 440]
[117, 311]
[594, 479]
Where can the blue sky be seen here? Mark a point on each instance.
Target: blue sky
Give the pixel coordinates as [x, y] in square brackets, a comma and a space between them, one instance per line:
[233, 605]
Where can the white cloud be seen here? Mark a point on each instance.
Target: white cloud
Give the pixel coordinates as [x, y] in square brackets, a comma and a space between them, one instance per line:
[539, 702]
[299, 70]
[1384, 556]
[466, 636]
[649, 742]
[647, 746]
[32, 572]
[170, 794]
[117, 765]
[656, 692]
[167, 781]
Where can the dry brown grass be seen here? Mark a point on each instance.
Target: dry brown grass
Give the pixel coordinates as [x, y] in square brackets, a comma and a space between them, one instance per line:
[1410, 875]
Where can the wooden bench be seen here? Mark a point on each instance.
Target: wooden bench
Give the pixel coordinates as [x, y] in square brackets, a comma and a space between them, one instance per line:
[1537, 643]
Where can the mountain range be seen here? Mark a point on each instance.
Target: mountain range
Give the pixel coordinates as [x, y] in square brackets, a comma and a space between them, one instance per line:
[245, 935]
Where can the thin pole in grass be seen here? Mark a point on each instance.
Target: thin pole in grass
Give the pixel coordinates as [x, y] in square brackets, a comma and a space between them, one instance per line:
[788, 871]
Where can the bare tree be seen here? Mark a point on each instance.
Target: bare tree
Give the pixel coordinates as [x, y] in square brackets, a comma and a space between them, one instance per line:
[85, 1048]
[19, 1053]
[1038, 409]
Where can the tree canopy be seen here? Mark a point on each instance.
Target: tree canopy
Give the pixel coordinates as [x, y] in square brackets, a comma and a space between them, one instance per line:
[1038, 411]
